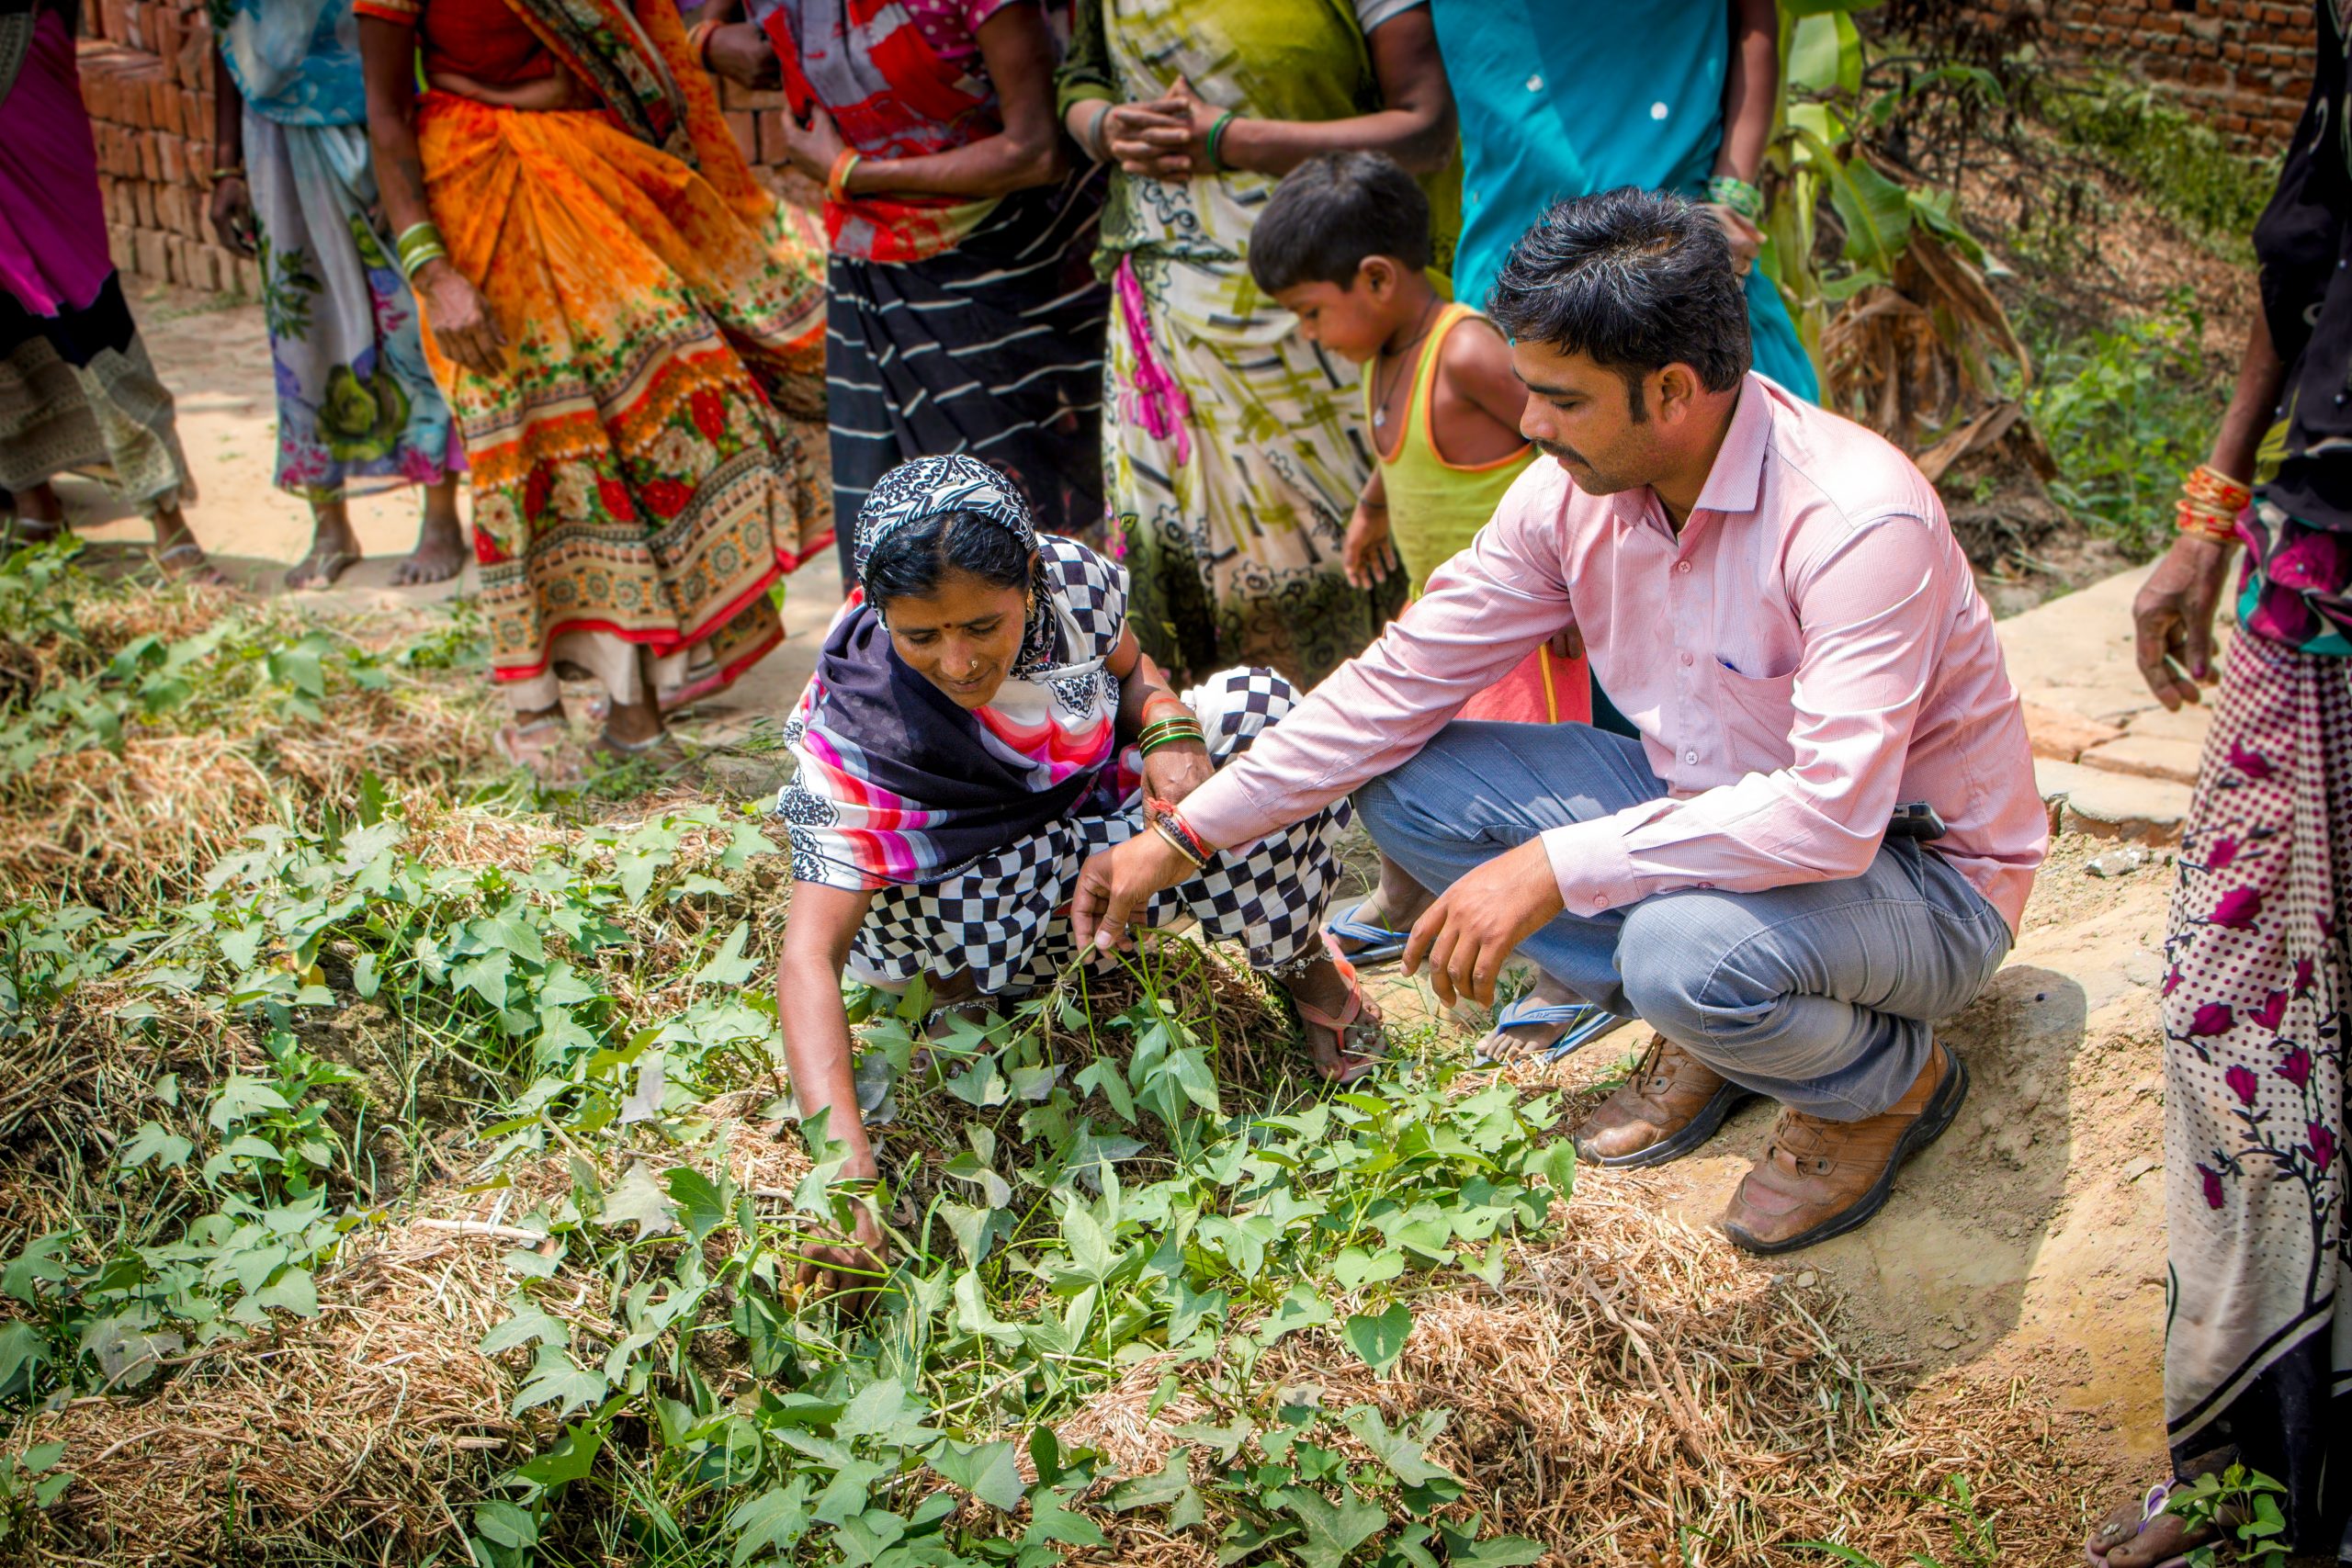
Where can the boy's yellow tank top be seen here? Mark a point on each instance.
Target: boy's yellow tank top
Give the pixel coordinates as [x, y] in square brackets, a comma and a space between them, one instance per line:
[1435, 507]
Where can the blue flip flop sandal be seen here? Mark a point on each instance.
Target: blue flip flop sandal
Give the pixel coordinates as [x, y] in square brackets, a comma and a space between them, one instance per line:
[1381, 945]
[1580, 1023]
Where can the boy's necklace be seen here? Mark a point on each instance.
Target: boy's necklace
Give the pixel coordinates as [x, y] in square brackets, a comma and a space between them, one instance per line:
[1380, 398]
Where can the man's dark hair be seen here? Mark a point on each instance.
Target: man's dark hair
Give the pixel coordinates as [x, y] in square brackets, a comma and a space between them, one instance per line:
[1331, 212]
[1635, 280]
[912, 560]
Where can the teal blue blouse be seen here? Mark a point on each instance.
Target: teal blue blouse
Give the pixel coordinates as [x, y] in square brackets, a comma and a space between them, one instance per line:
[1567, 97]
[296, 61]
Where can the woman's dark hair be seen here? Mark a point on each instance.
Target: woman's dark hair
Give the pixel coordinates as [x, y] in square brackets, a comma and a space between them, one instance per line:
[913, 560]
[1331, 212]
[1634, 279]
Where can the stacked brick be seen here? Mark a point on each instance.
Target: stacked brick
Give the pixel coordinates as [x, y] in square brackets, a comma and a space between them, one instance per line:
[147, 81]
[2242, 66]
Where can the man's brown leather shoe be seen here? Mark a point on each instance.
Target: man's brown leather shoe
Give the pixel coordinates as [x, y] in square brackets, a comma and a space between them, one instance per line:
[1822, 1179]
[1673, 1103]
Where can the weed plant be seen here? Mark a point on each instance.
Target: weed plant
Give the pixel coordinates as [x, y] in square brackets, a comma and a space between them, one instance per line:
[2183, 167]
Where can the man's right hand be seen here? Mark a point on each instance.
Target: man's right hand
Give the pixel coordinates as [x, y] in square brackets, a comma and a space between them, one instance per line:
[1116, 884]
[461, 319]
[2173, 617]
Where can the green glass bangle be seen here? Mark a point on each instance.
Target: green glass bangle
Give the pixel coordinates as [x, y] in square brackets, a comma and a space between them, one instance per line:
[1170, 729]
[413, 261]
[1729, 191]
[1167, 740]
[1216, 138]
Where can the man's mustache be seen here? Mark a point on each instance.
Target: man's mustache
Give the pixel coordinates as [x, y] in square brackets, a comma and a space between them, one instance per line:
[1565, 454]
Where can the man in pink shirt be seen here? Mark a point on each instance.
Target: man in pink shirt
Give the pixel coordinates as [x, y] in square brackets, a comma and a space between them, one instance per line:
[1773, 597]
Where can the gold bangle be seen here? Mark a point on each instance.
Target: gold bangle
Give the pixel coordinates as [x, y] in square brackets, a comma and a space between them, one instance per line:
[1159, 826]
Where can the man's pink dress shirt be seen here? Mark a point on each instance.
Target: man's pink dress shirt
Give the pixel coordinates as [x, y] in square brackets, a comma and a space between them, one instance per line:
[1810, 651]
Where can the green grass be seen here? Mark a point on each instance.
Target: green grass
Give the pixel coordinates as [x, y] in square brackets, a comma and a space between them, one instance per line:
[2184, 169]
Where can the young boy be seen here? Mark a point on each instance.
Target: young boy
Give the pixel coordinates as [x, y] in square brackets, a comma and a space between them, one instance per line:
[1343, 244]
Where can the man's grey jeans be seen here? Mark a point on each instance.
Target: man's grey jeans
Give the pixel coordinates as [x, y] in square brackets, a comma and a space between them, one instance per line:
[1818, 994]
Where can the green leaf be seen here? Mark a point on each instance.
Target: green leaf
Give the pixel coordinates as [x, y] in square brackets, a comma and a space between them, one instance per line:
[154, 1141]
[1825, 54]
[530, 1325]
[558, 1377]
[1501, 1551]
[728, 967]
[1355, 1268]
[699, 1200]
[1405, 1456]
[990, 1472]
[1171, 1485]
[639, 1200]
[1380, 1338]
[21, 1347]
[501, 1523]
[1331, 1530]
[39, 1457]
[845, 1497]
[293, 1291]
[1876, 210]
[1302, 1308]
[773, 1522]
[240, 1097]
[1557, 1166]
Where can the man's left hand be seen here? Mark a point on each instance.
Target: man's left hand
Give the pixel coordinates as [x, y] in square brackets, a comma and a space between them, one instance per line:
[1473, 928]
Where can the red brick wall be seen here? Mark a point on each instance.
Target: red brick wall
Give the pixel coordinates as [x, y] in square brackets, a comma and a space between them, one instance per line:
[2243, 66]
[147, 81]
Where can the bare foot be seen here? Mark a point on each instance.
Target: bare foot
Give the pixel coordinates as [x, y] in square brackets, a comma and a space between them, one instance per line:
[333, 548]
[178, 555]
[2122, 1541]
[440, 551]
[1526, 1041]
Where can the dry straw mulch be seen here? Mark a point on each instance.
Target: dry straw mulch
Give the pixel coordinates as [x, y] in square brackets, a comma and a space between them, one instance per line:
[1638, 1394]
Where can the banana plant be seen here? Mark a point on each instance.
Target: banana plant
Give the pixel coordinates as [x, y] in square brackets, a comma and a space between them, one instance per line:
[1899, 322]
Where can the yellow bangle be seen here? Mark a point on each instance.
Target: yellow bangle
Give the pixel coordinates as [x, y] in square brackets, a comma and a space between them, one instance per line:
[837, 182]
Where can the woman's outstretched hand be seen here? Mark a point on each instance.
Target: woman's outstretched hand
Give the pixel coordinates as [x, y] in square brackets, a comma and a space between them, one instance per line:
[460, 318]
[1114, 884]
[2173, 617]
[851, 1273]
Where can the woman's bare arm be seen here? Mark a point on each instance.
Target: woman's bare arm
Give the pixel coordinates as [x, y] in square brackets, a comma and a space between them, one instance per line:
[817, 1047]
[2173, 614]
[1414, 125]
[452, 308]
[1018, 53]
[1750, 84]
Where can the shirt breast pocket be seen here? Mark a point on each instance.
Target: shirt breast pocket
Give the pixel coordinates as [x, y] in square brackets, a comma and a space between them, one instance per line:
[1758, 718]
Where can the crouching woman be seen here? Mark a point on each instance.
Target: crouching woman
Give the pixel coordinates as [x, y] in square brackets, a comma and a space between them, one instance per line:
[982, 721]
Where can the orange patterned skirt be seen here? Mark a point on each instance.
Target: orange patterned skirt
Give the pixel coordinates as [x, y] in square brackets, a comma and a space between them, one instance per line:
[633, 476]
